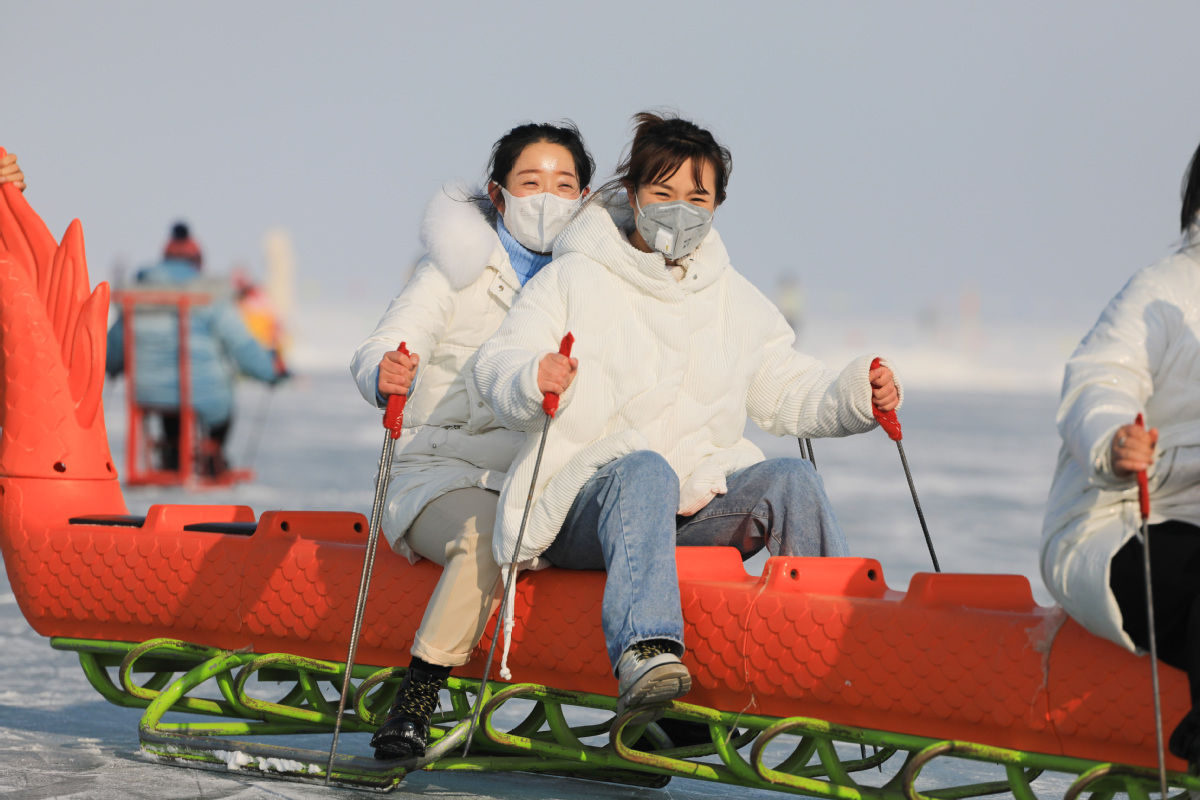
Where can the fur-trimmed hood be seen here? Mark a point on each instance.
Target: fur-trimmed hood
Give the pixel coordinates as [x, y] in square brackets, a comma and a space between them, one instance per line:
[457, 235]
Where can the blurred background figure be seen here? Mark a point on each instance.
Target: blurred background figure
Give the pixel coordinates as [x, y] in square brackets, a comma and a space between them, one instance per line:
[219, 347]
[259, 314]
[789, 298]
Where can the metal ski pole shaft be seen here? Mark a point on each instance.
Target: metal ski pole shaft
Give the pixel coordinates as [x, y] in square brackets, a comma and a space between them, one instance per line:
[1144, 506]
[917, 502]
[806, 451]
[891, 424]
[260, 423]
[281, 371]
[393, 420]
[550, 407]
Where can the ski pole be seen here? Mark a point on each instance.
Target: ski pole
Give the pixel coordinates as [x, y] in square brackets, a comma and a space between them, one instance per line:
[891, 424]
[550, 406]
[1144, 505]
[807, 443]
[261, 421]
[393, 420]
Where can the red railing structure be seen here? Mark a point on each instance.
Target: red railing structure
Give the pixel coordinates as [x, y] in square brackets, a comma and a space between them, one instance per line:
[139, 468]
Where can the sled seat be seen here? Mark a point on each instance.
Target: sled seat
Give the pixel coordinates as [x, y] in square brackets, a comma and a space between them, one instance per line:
[131, 521]
[335, 526]
[115, 520]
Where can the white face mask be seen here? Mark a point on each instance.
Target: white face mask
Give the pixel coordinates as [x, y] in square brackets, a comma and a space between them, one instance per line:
[675, 228]
[535, 220]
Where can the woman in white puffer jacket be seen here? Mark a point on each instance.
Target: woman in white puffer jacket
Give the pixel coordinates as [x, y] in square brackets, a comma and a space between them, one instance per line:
[1142, 356]
[675, 350]
[451, 459]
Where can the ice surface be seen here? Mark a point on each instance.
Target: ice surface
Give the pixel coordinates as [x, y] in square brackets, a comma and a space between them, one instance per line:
[981, 462]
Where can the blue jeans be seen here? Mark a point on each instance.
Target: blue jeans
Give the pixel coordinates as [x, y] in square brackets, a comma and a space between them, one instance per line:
[624, 521]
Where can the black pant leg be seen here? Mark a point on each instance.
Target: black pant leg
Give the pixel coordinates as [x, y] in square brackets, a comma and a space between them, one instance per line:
[1175, 571]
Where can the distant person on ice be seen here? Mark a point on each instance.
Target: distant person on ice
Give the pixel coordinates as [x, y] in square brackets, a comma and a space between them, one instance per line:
[674, 351]
[219, 347]
[1142, 356]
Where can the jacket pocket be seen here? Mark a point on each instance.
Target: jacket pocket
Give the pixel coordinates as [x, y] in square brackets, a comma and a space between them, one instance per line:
[479, 413]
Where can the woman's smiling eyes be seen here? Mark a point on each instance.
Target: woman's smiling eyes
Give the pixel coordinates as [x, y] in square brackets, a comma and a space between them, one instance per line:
[536, 186]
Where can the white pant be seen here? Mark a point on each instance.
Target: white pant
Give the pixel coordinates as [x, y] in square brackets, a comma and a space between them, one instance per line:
[455, 531]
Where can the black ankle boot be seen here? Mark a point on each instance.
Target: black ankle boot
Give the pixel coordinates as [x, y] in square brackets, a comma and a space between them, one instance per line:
[405, 732]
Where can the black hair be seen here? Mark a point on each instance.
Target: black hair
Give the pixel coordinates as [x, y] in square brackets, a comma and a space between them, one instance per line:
[1191, 193]
[660, 146]
[179, 232]
[508, 149]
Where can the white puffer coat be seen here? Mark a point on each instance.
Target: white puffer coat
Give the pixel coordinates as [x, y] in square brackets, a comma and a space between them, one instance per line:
[458, 295]
[1143, 355]
[664, 365]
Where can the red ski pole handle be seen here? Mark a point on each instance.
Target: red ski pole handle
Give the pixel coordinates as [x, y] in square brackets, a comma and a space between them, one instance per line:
[1142, 482]
[393, 417]
[550, 399]
[886, 419]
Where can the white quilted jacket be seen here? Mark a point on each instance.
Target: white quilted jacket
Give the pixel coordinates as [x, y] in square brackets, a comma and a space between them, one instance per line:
[665, 365]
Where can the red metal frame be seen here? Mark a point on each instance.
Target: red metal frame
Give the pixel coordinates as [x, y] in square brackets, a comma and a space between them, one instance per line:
[138, 470]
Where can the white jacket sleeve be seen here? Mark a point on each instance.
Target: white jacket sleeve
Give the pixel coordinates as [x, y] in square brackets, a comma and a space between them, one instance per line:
[795, 394]
[506, 370]
[417, 316]
[1109, 377]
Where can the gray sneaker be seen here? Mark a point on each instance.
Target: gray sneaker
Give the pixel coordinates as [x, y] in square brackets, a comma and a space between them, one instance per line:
[649, 673]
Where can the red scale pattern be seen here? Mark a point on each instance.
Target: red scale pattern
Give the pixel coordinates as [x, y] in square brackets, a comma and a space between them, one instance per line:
[824, 638]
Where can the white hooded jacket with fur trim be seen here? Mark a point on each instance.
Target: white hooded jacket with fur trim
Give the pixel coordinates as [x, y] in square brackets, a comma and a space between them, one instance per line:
[457, 296]
[664, 365]
[1142, 355]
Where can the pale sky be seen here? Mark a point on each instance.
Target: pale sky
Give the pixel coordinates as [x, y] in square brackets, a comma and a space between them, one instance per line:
[890, 156]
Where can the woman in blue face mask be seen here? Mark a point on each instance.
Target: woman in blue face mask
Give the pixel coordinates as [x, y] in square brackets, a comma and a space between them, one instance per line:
[450, 462]
[674, 351]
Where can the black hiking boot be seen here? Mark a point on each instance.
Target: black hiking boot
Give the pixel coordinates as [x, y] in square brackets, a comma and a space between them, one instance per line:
[405, 732]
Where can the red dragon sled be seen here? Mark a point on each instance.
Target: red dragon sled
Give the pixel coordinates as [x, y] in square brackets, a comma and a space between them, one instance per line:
[201, 609]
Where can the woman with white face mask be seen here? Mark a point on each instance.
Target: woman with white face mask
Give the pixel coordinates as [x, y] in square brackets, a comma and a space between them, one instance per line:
[450, 462]
[673, 351]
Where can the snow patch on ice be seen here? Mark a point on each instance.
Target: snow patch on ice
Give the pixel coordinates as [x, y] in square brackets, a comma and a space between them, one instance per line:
[236, 760]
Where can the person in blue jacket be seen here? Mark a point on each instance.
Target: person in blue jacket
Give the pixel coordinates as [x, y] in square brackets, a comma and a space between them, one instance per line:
[219, 347]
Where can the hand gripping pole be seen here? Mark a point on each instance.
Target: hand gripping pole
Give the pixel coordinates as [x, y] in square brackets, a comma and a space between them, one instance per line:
[891, 425]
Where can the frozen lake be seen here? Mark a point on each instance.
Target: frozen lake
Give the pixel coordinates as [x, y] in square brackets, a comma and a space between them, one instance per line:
[981, 463]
